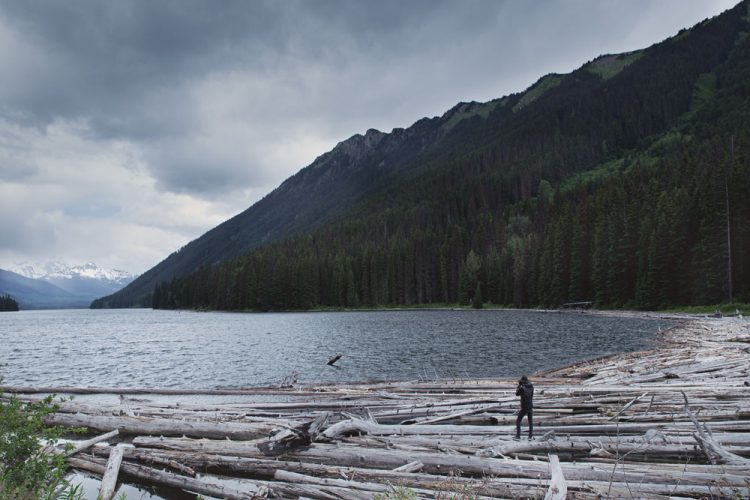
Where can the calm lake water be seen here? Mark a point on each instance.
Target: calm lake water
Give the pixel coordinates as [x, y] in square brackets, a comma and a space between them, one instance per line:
[146, 348]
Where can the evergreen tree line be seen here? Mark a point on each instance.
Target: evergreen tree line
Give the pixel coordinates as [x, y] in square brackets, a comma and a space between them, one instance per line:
[7, 303]
[648, 233]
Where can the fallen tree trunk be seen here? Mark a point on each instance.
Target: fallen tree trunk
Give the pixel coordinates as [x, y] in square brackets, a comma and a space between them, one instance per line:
[558, 490]
[168, 479]
[84, 445]
[358, 426]
[111, 471]
[162, 426]
[711, 448]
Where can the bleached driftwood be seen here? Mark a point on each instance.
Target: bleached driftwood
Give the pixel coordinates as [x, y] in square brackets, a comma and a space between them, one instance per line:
[414, 466]
[111, 471]
[558, 490]
[162, 426]
[710, 447]
[85, 445]
[172, 480]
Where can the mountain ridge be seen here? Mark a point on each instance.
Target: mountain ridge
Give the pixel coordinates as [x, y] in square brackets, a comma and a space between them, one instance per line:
[495, 154]
[61, 270]
[58, 285]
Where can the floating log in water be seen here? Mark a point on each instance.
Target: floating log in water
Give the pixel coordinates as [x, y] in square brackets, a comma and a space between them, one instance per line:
[671, 421]
[334, 358]
[109, 479]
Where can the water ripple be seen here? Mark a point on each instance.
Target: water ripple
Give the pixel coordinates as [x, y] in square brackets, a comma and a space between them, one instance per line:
[148, 348]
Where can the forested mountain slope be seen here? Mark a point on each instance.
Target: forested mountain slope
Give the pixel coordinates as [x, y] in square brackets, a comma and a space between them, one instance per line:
[608, 184]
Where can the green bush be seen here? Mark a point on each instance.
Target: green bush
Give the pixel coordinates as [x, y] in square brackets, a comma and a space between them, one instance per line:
[26, 470]
[399, 493]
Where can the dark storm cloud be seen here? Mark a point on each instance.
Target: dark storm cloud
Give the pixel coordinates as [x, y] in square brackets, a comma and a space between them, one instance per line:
[127, 66]
[102, 56]
[128, 69]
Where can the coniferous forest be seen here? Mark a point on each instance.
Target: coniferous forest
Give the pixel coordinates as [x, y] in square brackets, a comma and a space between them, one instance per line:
[7, 303]
[625, 183]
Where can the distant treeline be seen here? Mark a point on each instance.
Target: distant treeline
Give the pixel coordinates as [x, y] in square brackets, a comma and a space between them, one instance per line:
[7, 303]
[630, 191]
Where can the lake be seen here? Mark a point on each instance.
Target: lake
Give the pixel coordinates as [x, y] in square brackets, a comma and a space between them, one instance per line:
[179, 349]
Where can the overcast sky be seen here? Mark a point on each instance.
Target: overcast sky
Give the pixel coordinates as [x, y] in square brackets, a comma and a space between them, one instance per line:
[129, 128]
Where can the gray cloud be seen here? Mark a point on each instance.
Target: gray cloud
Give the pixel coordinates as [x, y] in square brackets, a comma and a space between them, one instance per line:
[198, 108]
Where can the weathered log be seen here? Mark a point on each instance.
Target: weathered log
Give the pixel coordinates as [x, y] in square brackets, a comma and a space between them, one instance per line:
[163, 427]
[317, 426]
[294, 477]
[662, 489]
[712, 449]
[558, 490]
[332, 360]
[111, 471]
[602, 446]
[172, 480]
[125, 407]
[359, 426]
[414, 466]
[450, 416]
[247, 391]
[302, 491]
[85, 445]
[624, 408]
[147, 458]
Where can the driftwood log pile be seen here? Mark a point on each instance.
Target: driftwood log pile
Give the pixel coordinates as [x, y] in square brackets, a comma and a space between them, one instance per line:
[670, 422]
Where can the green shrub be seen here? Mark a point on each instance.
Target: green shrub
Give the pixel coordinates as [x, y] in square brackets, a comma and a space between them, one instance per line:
[26, 470]
[399, 493]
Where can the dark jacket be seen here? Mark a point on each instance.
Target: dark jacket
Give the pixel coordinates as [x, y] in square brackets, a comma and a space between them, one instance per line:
[526, 391]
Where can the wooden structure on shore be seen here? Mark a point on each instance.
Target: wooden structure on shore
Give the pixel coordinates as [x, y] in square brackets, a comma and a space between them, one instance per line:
[670, 422]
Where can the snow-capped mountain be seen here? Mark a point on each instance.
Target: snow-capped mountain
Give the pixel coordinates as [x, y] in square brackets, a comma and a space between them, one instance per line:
[58, 270]
[73, 286]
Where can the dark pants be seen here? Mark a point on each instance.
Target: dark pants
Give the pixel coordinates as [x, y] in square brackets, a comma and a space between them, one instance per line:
[525, 412]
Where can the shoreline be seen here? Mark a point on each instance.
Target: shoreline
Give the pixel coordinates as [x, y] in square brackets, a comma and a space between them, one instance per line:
[669, 314]
[619, 425]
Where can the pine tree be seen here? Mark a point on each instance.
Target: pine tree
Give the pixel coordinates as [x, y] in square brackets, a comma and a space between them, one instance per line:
[476, 300]
[469, 278]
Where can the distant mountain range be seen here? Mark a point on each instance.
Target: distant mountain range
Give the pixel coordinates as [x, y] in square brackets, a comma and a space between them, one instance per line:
[56, 285]
[624, 182]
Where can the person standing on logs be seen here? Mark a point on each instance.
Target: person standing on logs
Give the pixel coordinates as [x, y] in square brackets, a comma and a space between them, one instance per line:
[526, 391]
